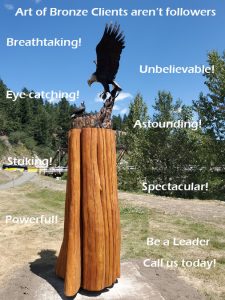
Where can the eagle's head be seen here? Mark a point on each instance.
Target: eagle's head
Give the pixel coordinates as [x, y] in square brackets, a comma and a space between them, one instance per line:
[92, 79]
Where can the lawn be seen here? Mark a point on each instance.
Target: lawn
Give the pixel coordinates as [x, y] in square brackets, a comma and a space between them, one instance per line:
[137, 224]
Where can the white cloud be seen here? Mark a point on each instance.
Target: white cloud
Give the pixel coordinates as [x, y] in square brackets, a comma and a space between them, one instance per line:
[123, 96]
[120, 111]
[37, 1]
[116, 107]
[9, 6]
[124, 111]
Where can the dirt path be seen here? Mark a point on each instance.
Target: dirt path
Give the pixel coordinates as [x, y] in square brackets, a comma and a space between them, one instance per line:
[24, 178]
[6, 176]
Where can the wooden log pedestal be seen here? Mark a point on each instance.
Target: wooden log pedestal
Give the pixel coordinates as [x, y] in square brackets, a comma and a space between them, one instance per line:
[90, 253]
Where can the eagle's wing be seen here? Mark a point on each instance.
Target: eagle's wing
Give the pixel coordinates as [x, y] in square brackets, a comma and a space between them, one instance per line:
[108, 52]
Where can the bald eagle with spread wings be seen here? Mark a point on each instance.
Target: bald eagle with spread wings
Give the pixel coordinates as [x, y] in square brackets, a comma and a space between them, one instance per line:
[108, 53]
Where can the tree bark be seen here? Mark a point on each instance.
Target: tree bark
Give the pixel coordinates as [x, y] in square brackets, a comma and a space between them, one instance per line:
[68, 264]
[90, 252]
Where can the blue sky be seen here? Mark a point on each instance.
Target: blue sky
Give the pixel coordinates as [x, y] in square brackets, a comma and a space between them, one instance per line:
[182, 41]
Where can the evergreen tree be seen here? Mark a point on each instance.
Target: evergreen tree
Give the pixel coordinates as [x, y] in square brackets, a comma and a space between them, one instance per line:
[117, 122]
[64, 111]
[211, 107]
[131, 173]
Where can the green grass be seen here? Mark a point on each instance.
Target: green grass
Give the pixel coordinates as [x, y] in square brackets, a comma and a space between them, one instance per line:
[138, 223]
[218, 245]
[221, 260]
[46, 199]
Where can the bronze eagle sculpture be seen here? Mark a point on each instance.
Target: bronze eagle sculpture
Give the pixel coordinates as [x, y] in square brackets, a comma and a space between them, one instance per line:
[108, 53]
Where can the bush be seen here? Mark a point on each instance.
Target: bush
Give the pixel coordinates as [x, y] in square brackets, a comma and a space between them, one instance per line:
[217, 187]
[17, 137]
[43, 151]
[30, 143]
[2, 148]
[128, 179]
[64, 177]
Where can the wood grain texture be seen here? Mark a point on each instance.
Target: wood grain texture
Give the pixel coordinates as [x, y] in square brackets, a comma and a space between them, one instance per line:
[69, 260]
[90, 252]
[93, 259]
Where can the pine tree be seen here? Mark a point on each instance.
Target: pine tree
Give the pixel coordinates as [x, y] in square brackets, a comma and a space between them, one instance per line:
[211, 107]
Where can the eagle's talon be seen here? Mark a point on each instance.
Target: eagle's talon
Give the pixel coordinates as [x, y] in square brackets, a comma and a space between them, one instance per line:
[117, 93]
[103, 95]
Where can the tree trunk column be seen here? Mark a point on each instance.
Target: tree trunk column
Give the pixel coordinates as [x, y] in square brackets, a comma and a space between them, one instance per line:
[68, 264]
[99, 220]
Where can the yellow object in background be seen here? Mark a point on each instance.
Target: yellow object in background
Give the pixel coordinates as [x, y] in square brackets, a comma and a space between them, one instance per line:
[14, 169]
[33, 170]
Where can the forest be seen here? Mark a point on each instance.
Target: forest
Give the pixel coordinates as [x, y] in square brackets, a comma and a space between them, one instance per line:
[179, 155]
[154, 155]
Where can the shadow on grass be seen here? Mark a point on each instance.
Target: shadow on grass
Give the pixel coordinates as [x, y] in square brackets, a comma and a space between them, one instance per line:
[44, 267]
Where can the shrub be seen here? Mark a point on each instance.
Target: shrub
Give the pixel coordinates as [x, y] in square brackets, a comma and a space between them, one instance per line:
[16, 137]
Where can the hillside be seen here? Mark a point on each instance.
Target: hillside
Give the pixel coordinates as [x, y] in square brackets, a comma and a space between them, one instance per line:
[9, 150]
